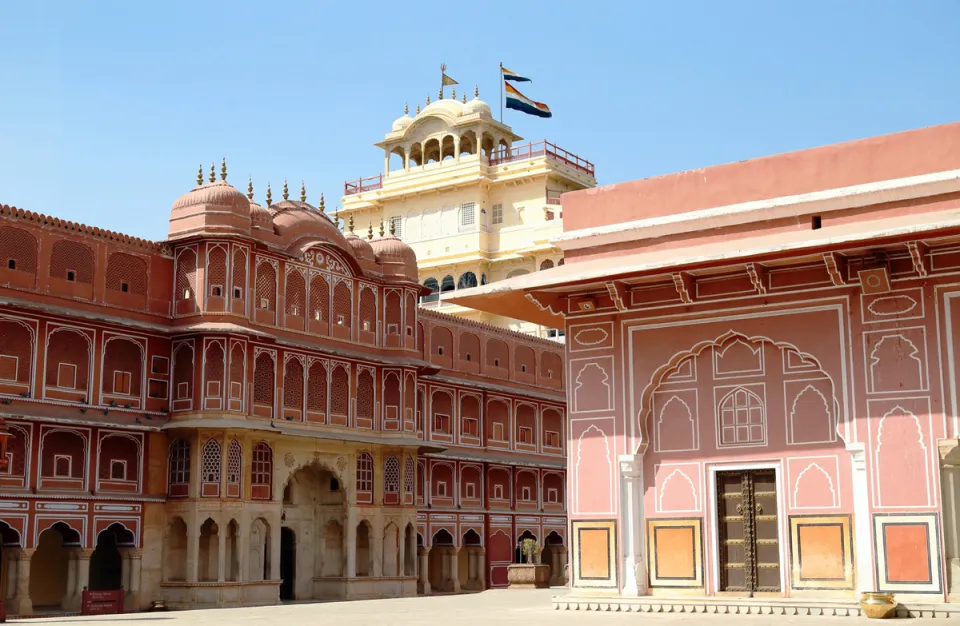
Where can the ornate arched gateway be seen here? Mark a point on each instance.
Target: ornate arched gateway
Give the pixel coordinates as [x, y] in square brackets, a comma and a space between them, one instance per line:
[741, 457]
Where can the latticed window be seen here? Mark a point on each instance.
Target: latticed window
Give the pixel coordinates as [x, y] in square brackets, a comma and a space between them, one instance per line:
[365, 394]
[239, 274]
[408, 475]
[296, 293]
[234, 463]
[217, 271]
[236, 371]
[210, 462]
[266, 286]
[293, 384]
[392, 312]
[411, 312]
[213, 364]
[741, 418]
[391, 475]
[179, 462]
[263, 377]
[548, 264]
[126, 273]
[364, 472]
[497, 215]
[16, 346]
[341, 304]
[368, 310]
[319, 298]
[262, 468]
[186, 275]
[72, 261]
[339, 391]
[317, 388]
[18, 250]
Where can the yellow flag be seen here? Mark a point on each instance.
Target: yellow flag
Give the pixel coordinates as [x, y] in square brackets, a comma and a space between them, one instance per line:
[447, 80]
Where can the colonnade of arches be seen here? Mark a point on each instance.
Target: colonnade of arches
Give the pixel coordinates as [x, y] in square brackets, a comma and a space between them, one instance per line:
[53, 576]
[440, 148]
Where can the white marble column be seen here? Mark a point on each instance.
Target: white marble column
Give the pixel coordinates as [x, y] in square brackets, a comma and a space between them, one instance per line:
[423, 572]
[21, 604]
[862, 532]
[401, 553]
[950, 505]
[71, 598]
[632, 521]
[83, 570]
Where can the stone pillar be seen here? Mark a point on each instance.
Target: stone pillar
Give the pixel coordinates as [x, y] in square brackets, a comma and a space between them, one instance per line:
[631, 520]
[950, 487]
[350, 539]
[375, 543]
[481, 569]
[455, 569]
[133, 589]
[423, 572]
[71, 598]
[21, 603]
[12, 560]
[193, 547]
[243, 545]
[83, 570]
[222, 552]
[401, 553]
[862, 533]
[275, 550]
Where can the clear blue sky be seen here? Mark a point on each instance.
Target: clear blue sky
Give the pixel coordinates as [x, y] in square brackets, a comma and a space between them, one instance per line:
[108, 108]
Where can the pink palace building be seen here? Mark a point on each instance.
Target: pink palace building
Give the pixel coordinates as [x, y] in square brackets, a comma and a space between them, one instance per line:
[762, 360]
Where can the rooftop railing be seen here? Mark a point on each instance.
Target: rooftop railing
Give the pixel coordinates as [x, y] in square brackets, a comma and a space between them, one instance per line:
[538, 149]
[362, 185]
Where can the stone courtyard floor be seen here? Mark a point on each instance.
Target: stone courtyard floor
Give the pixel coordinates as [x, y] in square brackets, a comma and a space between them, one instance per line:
[490, 608]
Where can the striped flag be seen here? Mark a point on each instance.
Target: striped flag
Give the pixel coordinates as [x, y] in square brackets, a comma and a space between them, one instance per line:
[519, 102]
[517, 78]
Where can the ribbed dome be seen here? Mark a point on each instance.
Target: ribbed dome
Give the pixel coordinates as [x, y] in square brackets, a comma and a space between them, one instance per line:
[396, 257]
[401, 123]
[301, 225]
[477, 106]
[361, 248]
[220, 193]
[260, 217]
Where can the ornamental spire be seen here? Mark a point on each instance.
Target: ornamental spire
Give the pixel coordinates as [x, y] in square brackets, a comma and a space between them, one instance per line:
[428, 99]
[213, 173]
[370, 232]
[250, 189]
[223, 169]
[406, 109]
[269, 196]
[303, 192]
[351, 222]
[200, 176]
[381, 227]
[393, 228]
[464, 97]
[476, 91]
[323, 206]
[286, 190]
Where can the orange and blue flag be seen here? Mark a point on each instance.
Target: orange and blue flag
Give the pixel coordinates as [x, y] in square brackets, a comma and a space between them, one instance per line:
[519, 102]
[517, 78]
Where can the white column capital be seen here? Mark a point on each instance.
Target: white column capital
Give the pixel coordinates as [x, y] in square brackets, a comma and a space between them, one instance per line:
[631, 465]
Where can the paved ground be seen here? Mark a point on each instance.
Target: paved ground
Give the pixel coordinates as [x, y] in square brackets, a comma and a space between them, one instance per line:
[496, 608]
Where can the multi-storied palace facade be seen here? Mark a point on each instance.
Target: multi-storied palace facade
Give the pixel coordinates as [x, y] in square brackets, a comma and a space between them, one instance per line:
[256, 409]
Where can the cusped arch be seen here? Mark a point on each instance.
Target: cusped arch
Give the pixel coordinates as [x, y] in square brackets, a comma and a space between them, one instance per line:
[674, 364]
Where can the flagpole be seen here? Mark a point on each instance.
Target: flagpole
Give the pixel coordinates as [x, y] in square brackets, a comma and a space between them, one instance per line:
[501, 92]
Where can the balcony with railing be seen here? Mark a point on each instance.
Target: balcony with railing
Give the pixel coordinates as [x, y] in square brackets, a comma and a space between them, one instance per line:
[511, 154]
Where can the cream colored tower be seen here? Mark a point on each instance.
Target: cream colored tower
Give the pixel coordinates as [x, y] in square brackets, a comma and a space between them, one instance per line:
[474, 203]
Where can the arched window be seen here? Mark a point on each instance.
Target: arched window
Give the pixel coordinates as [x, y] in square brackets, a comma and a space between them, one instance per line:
[296, 293]
[434, 287]
[391, 475]
[263, 380]
[742, 419]
[408, 475]
[234, 467]
[548, 264]
[483, 279]
[467, 280]
[210, 465]
[447, 284]
[516, 273]
[364, 472]
[560, 262]
[262, 471]
[178, 466]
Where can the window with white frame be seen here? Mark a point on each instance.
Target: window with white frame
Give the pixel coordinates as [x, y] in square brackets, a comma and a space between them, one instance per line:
[396, 226]
[551, 439]
[468, 214]
[365, 472]
[118, 470]
[497, 432]
[179, 462]
[470, 427]
[210, 463]
[234, 462]
[498, 492]
[62, 465]
[526, 435]
[525, 494]
[497, 217]
[441, 424]
[442, 489]
[471, 490]
[552, 496]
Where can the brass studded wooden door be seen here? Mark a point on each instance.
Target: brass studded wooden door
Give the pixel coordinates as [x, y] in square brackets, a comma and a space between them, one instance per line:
[748, 531]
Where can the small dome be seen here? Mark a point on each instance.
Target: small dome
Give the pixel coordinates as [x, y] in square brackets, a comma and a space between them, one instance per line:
[361, 248]
[210, 208]
[396, 257]
[477, 106]
[300, 225]
[401, 123]
[260, 217]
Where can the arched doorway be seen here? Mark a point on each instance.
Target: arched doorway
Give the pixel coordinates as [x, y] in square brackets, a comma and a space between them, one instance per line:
[467, 561]
[519, 556]
[410, 540]
[552, 555]
[440, 573]
[50, 563]
[288, 563]
[106, 562]
[9, 540]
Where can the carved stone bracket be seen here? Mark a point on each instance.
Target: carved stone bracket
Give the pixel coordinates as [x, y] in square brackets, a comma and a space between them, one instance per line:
[758, 276]
[684, 284]
[619, 295]
[836, 266]
[920, 258]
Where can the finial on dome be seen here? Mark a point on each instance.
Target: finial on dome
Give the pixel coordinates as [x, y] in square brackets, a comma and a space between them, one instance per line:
[303, 192]
[464, 97]
[428, 99]
[440, 95]
[269, 196]
[393, 228]
[351, 222]
[381, 227]
[336, 214]
[370, 231]
[223, 169]
[213, 173]
[250, 189]
[476, 91]
[453, 93]
[200, 176]
[418, 109]
[286, 190]
[323, 207]
[406, 109]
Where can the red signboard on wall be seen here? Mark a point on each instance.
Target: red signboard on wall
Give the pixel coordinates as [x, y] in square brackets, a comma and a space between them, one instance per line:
[101, 602]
